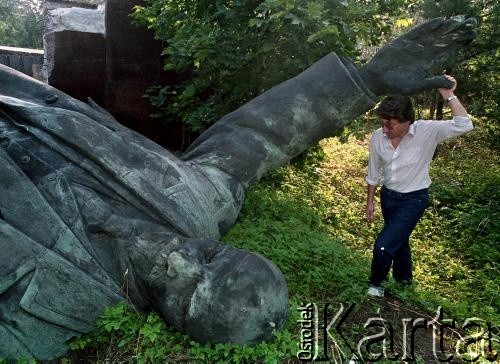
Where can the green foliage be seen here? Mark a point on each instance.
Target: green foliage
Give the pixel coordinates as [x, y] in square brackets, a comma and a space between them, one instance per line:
[125, 335]
[466, 196]
[21, 23]
[227, 52]
[284, 346]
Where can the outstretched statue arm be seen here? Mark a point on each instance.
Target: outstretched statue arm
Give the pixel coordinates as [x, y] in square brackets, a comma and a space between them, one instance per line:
[282, 122]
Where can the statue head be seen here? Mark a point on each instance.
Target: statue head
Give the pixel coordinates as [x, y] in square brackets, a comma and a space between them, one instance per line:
[217, 293]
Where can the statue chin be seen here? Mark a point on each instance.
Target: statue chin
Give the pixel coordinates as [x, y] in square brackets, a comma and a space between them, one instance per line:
[223, 294]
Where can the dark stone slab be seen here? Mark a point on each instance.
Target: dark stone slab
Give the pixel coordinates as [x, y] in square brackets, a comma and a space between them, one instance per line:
[133, 63]
[78, 64]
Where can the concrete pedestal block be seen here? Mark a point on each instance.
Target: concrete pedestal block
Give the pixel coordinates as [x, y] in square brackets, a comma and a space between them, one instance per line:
[78, 64]
[133, 64]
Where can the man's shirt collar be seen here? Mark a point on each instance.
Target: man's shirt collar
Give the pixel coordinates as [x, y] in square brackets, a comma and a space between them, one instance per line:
[411, 130]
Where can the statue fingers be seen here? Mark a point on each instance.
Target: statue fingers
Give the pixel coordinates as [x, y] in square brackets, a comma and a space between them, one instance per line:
[454, 33]
[411, 84]
[467, 37]
[423, 30]
[433, 83]
[401, 65]
[458, 24]
[440, 33]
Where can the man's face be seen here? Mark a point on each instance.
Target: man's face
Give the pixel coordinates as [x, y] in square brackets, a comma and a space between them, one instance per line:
[393, 128]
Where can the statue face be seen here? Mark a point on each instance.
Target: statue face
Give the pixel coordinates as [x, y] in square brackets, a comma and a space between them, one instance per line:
[217, 293]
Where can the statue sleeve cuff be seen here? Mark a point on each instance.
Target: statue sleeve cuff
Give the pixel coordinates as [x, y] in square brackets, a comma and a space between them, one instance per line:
[356, 78]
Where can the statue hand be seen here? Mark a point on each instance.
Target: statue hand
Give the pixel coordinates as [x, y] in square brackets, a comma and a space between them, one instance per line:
[402, 65]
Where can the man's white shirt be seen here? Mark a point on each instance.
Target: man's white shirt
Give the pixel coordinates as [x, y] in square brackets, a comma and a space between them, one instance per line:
[406, 168]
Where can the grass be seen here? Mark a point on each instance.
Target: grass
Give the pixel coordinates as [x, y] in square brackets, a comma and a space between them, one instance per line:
[308, 218]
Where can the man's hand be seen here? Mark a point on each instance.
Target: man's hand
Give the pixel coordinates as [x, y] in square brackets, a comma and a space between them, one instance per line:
[402, 66]
[370, 214]
[448, 91]
[457, 109]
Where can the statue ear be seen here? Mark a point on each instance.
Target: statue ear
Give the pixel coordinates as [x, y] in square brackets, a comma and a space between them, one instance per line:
[179, 264]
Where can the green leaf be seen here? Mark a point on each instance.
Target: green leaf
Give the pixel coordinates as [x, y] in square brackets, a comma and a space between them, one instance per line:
[315, 9]
[295, 19]
[255, 22]
[404, 22]
[328, 32]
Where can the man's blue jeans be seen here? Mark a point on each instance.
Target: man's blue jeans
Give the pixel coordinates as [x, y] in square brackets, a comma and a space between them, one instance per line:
[401, 212]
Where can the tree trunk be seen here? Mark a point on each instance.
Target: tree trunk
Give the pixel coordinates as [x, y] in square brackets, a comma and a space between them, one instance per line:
[432, 106]
[439, 109]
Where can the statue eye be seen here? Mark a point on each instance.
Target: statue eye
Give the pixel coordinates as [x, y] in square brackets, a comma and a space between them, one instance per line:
[211, 253]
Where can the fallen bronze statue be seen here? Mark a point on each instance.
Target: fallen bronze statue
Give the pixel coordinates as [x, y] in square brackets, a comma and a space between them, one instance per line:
[88, 206]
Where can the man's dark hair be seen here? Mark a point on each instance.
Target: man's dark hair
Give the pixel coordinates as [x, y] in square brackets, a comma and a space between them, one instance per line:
[396, 107]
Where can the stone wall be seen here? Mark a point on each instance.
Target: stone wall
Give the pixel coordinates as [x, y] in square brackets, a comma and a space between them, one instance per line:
[28, 61]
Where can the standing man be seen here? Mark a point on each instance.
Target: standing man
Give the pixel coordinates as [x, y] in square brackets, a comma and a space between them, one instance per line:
[400, 154]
